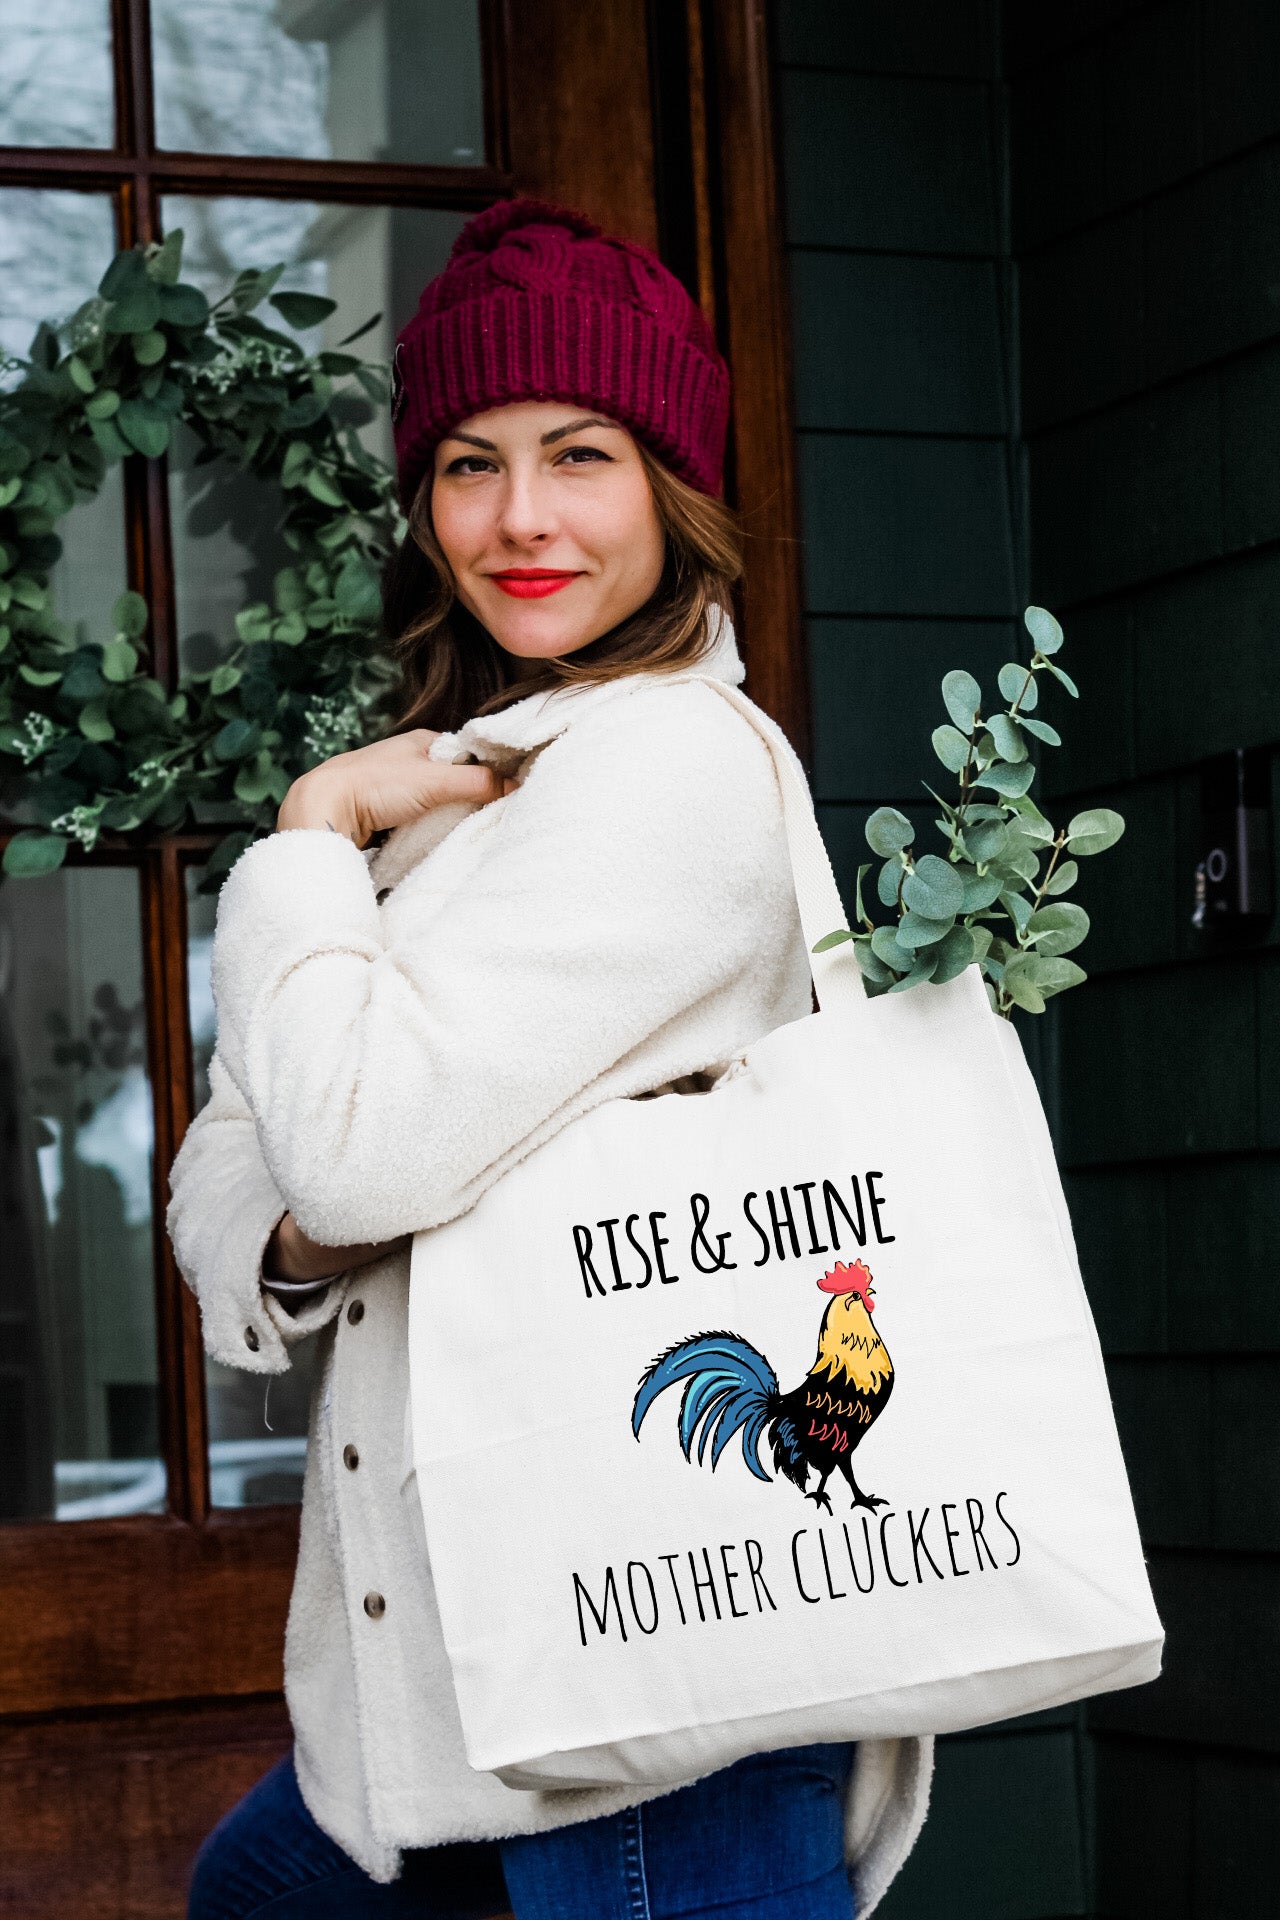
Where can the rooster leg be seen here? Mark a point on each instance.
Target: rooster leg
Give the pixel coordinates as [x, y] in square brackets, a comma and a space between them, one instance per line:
[861, 1499]
[820, 1493]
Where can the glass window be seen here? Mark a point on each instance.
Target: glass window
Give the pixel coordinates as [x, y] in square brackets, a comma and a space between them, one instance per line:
[395, 80]
[226, 543]
[79, 1397]
[55, 247]
[55, 73]
[257, 1432]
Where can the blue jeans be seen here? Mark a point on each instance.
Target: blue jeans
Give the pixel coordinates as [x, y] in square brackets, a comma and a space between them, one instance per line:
[761, 1840]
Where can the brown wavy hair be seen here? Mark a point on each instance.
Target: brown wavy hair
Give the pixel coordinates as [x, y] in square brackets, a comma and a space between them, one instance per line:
[451, 665]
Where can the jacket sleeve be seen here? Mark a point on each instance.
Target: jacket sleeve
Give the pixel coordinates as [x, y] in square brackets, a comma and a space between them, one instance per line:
[389, 1062]
[223, 1206]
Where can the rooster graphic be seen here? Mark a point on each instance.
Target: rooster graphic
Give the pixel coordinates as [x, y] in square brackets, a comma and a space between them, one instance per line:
[819, 1424]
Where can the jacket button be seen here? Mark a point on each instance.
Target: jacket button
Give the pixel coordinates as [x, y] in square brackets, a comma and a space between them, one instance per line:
[374, 1605]
[350, 1458]
[251, 1339]
[355, 1312]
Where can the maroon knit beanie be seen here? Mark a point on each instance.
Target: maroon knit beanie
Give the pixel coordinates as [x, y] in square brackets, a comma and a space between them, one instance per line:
[537, 303]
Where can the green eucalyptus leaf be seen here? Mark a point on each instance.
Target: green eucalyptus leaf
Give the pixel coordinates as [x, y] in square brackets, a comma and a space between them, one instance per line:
[860, 912]
[962, 697]
[224, 678]
[1094, 831]
[1058, 928]
[1064, 677]
[915, 931]
[1042, 730]
[1010, 744]
[1011, 781]
[109, 440]
[888, 880]
[145, 426]
[981, 938]
[925, 967]
[1043, 628]
[1017, 683]
[238, 738]
[356, 590]
[951, 747]
[290, 629]
[322, 488]
[982, 891]
[1018, 908]
[126, 274]
[987, 841]
[32, 853]
[872, 969]
[298, 462]
[39, 676]
[118, 659]
[1063, 878]
[183, 306]
[134, 312]
[129, 615]
[1030, 823]
[1020, 986]
[888, 831]
[81, 378]
[303, 310]
[95, 722]
[885, 946]
[102, 405]
[955, 953]
[829, 940]
[1056, 976]
[254, 623]
[934, 890]
[164, 263]
[149, 348]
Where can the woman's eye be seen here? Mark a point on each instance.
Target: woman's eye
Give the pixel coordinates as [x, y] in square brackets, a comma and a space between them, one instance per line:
[470, 463]
[580, 456]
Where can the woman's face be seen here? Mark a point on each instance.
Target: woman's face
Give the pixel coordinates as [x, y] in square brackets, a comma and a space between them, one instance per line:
[545, 515]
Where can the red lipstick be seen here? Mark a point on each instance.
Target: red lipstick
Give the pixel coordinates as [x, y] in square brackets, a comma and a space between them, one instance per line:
[532, 583]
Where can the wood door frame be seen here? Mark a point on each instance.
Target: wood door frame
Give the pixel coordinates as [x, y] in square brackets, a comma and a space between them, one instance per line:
[189, 1608]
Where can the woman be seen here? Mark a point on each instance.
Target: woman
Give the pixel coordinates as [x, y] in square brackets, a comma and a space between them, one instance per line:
[584, 895]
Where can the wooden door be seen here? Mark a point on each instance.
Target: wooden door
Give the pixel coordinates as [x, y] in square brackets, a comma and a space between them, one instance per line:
[141, 1630]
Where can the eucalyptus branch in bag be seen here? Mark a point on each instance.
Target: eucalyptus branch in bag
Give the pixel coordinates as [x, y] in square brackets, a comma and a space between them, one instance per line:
[996, 898]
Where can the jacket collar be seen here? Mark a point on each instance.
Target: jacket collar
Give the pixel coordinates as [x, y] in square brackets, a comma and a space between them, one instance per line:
[505, 739]
[520, 729]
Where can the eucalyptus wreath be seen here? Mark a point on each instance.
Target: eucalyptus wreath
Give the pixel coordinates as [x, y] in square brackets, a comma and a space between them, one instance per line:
[996, 896]
[92, 740]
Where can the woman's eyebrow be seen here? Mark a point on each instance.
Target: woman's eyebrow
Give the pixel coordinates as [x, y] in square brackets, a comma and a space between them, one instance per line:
[472, 440]
[576, 426]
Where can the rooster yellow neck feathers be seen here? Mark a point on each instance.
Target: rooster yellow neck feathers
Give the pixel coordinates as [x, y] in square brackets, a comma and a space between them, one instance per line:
[849, 1346]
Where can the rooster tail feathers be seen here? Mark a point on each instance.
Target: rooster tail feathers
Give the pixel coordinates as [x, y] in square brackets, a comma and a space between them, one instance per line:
[730, 1388]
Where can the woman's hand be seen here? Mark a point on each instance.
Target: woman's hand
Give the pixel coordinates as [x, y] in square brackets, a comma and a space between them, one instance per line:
[290, 1255]
[385, 784]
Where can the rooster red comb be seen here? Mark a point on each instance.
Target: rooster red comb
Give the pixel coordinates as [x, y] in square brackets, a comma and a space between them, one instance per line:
[854, 1279]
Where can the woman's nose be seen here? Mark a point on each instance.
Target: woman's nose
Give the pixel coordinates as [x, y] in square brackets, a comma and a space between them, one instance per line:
[526, 515]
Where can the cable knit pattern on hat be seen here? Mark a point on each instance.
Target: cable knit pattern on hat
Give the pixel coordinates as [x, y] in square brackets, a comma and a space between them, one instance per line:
[537, 303]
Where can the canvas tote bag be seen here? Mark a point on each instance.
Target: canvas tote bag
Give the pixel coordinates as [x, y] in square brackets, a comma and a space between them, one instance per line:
[775, 1414]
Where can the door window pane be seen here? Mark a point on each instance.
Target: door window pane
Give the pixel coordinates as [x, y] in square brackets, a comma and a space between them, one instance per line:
[55, 247]
[257, 1431]
[79, 1395]
[55, 73]
[392, 80]
[225, 524]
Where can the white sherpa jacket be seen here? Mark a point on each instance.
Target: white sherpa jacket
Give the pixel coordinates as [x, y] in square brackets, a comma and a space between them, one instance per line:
[395, 1029]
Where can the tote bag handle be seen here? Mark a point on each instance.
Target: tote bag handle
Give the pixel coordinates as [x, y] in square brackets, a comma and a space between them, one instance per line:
[837, 978]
